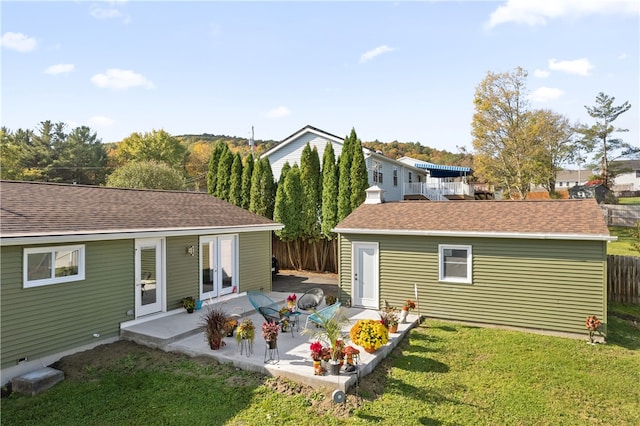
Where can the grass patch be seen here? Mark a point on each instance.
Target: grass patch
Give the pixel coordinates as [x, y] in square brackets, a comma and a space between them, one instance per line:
[442, 373]
[623, 246]
[629, 200]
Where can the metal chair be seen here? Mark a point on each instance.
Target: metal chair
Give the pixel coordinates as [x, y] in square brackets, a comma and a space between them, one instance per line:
[268, 308]
[311, 299]
[323, 314]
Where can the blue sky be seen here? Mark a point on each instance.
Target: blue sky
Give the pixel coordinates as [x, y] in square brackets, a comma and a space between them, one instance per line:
[403, 71]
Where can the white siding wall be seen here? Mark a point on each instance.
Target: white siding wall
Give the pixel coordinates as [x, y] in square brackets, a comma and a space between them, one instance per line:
[628, 178]
[292, 152]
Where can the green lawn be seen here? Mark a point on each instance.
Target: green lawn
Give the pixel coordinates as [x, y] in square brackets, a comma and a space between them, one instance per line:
[629, 200]
[442, 374]
[622, 247]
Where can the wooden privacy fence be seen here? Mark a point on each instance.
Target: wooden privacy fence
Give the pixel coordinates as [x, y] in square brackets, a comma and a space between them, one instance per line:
[623, 279]
[620, 215]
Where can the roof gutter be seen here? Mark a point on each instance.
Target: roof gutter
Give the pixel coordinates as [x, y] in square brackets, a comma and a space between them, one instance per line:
[106, 235]
[519, 235]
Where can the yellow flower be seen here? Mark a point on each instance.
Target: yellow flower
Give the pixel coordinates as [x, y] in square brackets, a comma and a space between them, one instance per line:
[370, 334]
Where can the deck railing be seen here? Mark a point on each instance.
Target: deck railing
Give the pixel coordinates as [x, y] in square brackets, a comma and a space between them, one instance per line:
[437, 191]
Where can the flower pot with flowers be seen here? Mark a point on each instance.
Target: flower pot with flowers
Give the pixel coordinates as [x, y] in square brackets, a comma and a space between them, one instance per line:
[330, 332]
[214, 325]
[230, 326]
[390, 319]
[369, 334]
[316, 355]
[592, 324]
[245, 333]
[291, 302]
[408, 305]
[270, 333]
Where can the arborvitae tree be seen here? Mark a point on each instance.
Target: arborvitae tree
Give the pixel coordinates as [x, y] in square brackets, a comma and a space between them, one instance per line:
[223, 181]
[212, 174]
[288, 211]
[329, 192]
[268, 188]
[344, 184]
[311, 184]
[283, 173]
[262, 189]
[256, 201]
[247, 172]
[359, 177]
[235, 189]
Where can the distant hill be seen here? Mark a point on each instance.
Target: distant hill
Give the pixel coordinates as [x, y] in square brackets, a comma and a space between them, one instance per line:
[393, 149]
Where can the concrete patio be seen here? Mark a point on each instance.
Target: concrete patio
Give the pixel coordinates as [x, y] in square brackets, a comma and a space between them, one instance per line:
[181, 332]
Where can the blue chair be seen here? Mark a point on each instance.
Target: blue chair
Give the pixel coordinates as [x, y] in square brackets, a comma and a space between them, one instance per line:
[323, 314]
[268, 308]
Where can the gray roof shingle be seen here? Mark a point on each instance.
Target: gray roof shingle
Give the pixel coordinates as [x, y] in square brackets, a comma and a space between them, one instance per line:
[36, 208]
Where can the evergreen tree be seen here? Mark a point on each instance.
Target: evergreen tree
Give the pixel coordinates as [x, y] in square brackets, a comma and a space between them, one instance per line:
[247, 172]
[311, 190]
[223, 181]
[344, 183]
[268, 188]
[235, 188]
[256, 201]
[359, 177]
[288, 211]
[329, 192]
[283, 173]
[212, 174]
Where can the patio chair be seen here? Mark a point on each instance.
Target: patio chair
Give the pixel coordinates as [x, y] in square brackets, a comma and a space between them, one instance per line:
[323, 314]
[268, 308]
[311, 299]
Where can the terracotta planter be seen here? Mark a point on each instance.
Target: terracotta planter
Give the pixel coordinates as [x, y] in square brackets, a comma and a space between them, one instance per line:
[393, 328]
[216, 344]
[370, 350]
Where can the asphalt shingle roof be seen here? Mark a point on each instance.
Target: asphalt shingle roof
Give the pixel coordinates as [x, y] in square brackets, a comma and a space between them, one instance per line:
[526, 217]
[36, 208]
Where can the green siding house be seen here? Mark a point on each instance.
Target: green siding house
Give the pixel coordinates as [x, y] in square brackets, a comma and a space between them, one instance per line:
[536, 265]
[79, 262]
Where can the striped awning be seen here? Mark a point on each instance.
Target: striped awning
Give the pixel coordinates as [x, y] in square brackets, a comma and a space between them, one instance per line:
[440, 171]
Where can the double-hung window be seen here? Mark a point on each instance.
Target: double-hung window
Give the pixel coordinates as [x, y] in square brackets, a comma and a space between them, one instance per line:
[395, 176]
[53, 265]
[377, 171]
[454, 263]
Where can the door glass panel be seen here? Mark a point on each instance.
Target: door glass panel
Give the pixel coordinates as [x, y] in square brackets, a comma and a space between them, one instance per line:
[226, 262]
[207, 267]
[148, 275]
[367, 281]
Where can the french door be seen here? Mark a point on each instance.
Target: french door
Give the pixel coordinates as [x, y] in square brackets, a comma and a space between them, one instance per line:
[218, 266]
[149, 276]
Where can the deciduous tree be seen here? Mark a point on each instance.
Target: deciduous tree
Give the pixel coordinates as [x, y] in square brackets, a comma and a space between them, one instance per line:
[146, 175]
[157, 145]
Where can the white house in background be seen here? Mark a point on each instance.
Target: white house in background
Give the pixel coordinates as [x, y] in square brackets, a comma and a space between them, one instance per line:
[566, 179]
[442, 183]
[390, 175]
[630, 179]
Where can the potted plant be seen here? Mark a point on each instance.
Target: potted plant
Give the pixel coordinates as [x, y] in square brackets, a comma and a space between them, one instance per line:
[408, 305]
[330, 299]
[244, 336]
[270, 333]
[330, 332]
[189, 303]
[316, 355]
[291, 302]
[370, 334]
[214, 323]
[389, 318]
[230, 326]
[592, 324]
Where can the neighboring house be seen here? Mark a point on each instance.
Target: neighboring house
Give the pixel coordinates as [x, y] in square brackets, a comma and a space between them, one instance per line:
[443, 182]
[506, 263]
[81, 262]
[567, 178]
[390, 175]
[629, 179]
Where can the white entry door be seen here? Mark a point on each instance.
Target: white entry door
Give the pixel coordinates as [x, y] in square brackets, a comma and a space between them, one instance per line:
[149, 273]
[219, 266]
[364, 277]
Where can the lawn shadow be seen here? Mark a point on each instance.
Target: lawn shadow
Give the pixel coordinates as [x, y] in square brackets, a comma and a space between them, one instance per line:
[416, 363]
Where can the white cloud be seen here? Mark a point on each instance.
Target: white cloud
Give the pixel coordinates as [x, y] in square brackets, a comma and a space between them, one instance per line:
[623, 56]
[537, 12]
[104, 13]
[366, 56]
[100, 121]
[279, 112]
[541, 73]
[59, 69]
[118, 79]
[578, 66]
[545, 94]
[19, 42]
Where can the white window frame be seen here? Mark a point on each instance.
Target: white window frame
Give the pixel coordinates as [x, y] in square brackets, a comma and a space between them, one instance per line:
[395, 176]
[441, 258]
[377, 172]
[53, 279]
